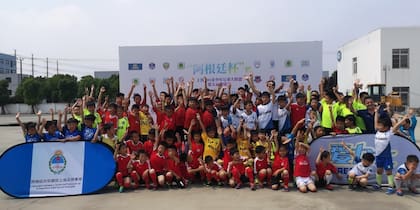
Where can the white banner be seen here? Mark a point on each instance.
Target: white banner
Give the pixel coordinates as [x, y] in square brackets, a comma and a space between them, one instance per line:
[223, 63]
[57, 169]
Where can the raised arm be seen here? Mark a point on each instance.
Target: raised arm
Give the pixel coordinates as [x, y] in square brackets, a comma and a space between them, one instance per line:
[352, 154]
[130, 93]
[97, 133]
[22, 126]
[297, 126]
[318, 157]
[101, 92]
[250, 80]
[155, 93]
[39, 115]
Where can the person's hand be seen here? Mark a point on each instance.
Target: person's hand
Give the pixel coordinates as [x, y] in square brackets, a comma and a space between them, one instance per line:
[412, 167]
[198, 116]
[309, 88]
[152, 82]
[281, 85]
[39, 113]
[193, 122]
[60, 113]
[168, 81]
[301, 88]
[51, 111]
[205, 79]
[102, 90]
[17, 115]
[321, 149]
[44, 121]
[343, 143]
[300, 122]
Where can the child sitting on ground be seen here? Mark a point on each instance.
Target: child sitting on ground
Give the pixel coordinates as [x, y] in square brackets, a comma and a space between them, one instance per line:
[360, 173]
[406, 173]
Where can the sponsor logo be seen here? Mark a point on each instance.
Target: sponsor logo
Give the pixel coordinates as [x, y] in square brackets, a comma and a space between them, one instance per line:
[135, 66]
[165, 65]
[58, 162]
[152, 66]
[286, 78]
[305, 63]
[181, 66]
[305, 77]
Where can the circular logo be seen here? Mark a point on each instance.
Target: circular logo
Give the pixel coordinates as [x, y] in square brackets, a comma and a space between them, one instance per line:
[57, 162]
[305, 77]
[181, 66]
[339, 56]
[288, 63]
[257, 79]
[152, 66]
[257, 64]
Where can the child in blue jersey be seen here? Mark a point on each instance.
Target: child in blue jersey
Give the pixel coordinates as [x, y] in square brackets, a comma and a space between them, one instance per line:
[383, 126]
[52, 133]
[88, 131]
[70, 131]
[29, 129]
[406, 173]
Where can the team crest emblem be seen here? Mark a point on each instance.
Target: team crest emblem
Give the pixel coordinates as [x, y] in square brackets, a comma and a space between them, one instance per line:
[166, 65]
[257, 64]
[57, 162]
[305, 77]
[288, 63]
[152, 66]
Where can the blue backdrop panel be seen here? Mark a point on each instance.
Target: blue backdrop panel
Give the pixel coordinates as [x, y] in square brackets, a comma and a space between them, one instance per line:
[360, 144]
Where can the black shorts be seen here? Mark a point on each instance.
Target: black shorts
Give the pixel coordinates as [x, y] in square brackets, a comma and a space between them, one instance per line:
[321, 183]
[161, 173]
[143, 138]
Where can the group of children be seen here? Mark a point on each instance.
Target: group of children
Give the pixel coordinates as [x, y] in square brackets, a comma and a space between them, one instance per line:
[218, 138]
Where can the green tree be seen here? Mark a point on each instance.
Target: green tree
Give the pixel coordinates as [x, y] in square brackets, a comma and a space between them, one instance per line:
[86, 82]
[67, 88]
[32, 92]
[4, 94]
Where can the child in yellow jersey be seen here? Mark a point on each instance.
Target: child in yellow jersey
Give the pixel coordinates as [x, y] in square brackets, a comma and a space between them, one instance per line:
[145, 122]
[212, 144]
[109, 136]
[242, 141]
[123, 124]
[350, 123]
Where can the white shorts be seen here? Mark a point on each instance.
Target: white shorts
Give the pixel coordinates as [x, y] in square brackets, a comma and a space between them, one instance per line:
[303, 181]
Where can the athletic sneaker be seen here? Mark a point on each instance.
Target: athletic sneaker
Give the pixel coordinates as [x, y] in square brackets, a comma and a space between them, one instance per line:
[121, 189]
[351, 187]
[376, 187]
[400, 192]
[285, 189]
[390, 191]
[253, 187]
[238, 186]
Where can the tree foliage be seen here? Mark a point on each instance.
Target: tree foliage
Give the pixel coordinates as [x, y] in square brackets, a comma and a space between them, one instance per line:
[4, 94]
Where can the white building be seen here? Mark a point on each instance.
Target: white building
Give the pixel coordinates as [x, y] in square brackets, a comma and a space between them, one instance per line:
[389, 56]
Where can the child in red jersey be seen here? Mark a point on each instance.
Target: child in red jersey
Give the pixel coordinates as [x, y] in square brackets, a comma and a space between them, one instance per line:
[325, 169]
[195, 153]
[239, 172]
[304, 177]
[158, 161]
[151, 139]
[261, 166]
[280, 167]
[134, 144]
[123, 172]
[173, 165]
[214, 172]
[142, 170]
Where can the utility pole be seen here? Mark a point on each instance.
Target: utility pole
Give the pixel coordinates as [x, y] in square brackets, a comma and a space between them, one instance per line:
[57, 66]
[47, 67]
[32, 65]
[21, 77]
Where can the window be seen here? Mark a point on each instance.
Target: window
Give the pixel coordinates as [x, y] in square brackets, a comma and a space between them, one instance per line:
[13, 71]
[400, 58]
[404, 93]
[1, 71]
[6, 62]
[10, 92]
[9, 79]
[355, 65]
[6, 71]
[1, 61]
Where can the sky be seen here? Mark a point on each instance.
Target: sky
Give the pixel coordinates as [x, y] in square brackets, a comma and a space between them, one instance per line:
[84, 36]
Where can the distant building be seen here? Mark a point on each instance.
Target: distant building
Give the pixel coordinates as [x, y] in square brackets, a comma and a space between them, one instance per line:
[8, 72]
[386, 59]
[105, 74]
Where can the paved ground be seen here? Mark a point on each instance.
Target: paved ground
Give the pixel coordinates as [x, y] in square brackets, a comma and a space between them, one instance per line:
[198, 197]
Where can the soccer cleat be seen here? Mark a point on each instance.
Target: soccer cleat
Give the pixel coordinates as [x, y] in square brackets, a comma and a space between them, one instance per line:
[238, 186]
[121, 189]
[220, 184]
[390, 191]
[208, 183]
[329, 187]
[400, 193]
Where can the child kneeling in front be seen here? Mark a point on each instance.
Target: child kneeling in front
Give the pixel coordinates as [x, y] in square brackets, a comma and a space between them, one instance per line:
[406, 173]
[325, 170]
[359, 174]
[304, 177]
[239, 172]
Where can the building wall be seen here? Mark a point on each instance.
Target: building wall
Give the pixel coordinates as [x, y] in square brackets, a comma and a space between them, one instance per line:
[367, 51]
[14, 81]
[397, 38]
